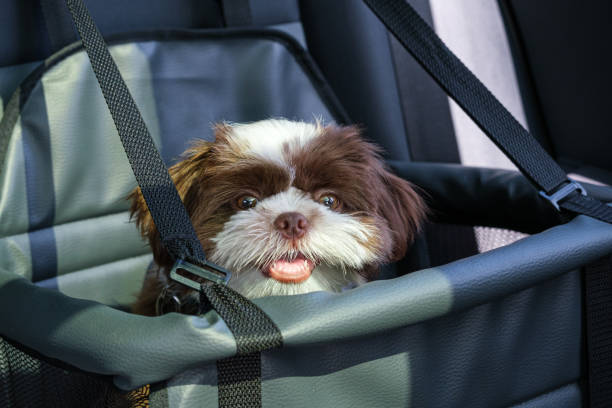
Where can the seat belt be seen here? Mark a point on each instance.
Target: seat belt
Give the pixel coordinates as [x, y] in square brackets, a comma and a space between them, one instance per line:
[239, 377]
[531, 159]
[485, 110]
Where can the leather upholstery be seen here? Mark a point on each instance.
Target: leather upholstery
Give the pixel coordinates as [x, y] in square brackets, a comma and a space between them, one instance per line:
[75, 330]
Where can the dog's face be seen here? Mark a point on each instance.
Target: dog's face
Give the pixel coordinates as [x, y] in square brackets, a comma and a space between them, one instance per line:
[291, 207]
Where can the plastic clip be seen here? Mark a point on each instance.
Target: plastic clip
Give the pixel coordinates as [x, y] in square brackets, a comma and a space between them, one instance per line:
[563, 192]
[208, 271]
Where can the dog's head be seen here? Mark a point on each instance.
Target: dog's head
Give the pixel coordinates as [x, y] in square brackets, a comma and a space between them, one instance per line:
[291, 207]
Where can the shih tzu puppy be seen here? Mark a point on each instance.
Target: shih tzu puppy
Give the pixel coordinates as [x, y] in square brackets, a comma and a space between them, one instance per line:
[287, 207]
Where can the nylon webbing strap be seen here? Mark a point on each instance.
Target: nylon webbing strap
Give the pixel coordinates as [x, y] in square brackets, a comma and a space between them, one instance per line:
[163, 201]
[480, 104]
[253, 329]
[598, 285]
[239, 381]
[589, 206]
[239, 377]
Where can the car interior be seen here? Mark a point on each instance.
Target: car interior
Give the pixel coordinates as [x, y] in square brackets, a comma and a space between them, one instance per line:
[64, 179]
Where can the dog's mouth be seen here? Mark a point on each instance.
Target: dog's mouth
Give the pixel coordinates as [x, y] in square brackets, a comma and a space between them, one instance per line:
[290, 270]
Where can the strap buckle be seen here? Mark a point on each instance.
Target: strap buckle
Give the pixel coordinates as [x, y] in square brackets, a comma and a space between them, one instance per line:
[563, 192]
[208, 271]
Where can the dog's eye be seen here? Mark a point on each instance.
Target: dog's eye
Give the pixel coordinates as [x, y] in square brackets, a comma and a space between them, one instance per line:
[329, 200]
[246, 202]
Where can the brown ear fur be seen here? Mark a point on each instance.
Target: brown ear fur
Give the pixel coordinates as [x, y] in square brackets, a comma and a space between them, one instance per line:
[404, 210]
[186, 175]
[398, 201]
[392, 198]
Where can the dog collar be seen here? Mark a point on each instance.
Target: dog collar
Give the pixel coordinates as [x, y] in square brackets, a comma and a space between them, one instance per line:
[174, 299]
[167, 302]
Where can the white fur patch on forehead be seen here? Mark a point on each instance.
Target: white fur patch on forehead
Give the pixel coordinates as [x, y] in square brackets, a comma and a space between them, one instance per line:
[269, 139]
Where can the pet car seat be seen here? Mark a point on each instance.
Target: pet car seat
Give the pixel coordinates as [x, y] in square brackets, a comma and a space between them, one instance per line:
[490, 313]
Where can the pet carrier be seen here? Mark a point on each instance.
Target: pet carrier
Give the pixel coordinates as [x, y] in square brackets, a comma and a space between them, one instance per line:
[499, 328]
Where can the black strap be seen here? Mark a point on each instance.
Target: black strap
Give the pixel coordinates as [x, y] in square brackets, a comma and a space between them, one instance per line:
[252, 328]
[533, 161]
[598, 300]
[239, 377]
[236, 13]
[480, 104]
[163, 201]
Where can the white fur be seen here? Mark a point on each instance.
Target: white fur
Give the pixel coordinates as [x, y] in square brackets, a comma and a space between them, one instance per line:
[266, 139]
[339, 244]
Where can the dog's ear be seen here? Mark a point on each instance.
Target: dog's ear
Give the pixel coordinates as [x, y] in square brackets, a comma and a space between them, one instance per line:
[187, 176]
[394, 199]
[404, 210]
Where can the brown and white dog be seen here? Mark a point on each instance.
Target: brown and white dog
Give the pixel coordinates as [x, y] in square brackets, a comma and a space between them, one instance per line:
[287, 207]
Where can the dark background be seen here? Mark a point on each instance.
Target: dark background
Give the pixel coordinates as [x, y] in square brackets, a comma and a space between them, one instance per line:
[561, 50]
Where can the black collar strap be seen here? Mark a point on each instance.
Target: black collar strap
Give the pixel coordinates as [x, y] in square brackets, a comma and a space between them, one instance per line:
[485, 110]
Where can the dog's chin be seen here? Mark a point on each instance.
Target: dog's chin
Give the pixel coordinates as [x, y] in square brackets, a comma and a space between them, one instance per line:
[253, 283]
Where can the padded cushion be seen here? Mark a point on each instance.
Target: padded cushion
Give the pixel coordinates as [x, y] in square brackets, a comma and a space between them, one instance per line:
[64, 178]
[479, 312]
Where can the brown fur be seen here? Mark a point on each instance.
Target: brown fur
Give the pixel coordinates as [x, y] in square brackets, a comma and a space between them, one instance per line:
[212, 176]
[342, 162]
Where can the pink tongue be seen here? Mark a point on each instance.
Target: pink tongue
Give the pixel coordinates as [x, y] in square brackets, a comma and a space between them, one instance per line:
[295, 271]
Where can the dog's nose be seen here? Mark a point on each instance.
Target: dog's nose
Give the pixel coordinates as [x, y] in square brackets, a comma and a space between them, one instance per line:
[291, 225]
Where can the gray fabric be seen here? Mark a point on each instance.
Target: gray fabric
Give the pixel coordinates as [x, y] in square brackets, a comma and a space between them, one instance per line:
[246, 89]
[433, 292]
[490, 356]
[114, 284]
[39, 185]
[10, 77]
[139, 350]
[494, 355]
[194, 388]
[265, 12]
[295, 30]
[426, 339]
[7, 124]
[91, 178]
[117, 238]
[569, 396]
[66, 171]
[96, 338]
[37, 157]
[15, 254]
[89, 166]
[14, 240]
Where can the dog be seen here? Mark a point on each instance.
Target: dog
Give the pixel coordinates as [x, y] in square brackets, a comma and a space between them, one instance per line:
[288, 207]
